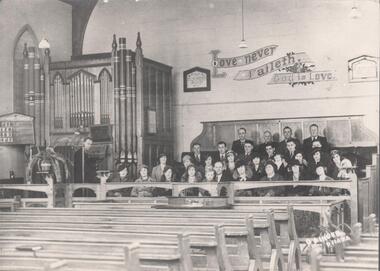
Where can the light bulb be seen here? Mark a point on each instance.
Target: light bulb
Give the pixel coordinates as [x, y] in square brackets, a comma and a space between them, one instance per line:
[243, 44]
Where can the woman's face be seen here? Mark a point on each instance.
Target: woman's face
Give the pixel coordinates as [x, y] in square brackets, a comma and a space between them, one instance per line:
[277, 158]
[168, 174]
[208, 161]
[269, 170]
[210, 175]
[241, 170]
[317, 156]
[191, 172]
[299, 157]
[336, 158]
[144, 172]
[163, 160]
[230, 158]
[186, 162]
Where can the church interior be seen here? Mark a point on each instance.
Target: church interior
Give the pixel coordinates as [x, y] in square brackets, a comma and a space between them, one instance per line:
[189, 135]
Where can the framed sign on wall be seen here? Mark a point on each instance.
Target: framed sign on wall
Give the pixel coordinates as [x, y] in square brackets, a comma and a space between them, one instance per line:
[196, 79]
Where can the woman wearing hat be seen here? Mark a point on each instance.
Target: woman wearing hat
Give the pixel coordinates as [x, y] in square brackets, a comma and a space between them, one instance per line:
[257, 167]
[318, 158]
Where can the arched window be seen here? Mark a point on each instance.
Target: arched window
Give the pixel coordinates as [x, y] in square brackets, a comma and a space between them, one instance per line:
[106, 96]
[25, 36]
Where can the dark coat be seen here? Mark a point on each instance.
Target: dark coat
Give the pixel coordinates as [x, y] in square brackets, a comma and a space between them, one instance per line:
[308, 143]
[89, 175]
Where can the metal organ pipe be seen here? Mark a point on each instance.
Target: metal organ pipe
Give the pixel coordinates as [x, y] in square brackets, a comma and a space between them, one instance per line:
[122, 73]
[116, 95]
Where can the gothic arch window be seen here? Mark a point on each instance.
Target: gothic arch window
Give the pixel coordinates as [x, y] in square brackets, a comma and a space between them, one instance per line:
[106, 96]
[26, 36]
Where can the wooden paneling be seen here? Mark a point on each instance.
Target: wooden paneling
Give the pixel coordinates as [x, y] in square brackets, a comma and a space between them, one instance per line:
[343, 131]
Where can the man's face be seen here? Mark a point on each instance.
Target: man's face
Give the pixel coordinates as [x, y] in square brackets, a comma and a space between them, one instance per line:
[248, 148]
[197, 149]
[241, 134]
[186, 162]
[269, 150]
[313, 130]
[87, 144]
[287, 133]
[267, 137]
[222, 148]
[291, 146]
[218, 167]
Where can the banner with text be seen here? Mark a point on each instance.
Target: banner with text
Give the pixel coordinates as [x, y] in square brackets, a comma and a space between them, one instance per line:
[286, 61]
[238, 61]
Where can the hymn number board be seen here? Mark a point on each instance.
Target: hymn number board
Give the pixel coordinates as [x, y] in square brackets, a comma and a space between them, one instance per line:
[16, 129]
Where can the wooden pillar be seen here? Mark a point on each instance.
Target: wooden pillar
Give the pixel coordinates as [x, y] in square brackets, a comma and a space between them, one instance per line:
[116, 94]
[122, 73]
[139, 101]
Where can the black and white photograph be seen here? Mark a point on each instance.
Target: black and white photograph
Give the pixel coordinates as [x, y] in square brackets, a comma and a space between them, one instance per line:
[189, 135]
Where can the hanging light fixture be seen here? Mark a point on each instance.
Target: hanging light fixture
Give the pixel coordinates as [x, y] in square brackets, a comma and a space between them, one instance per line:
[243, 43]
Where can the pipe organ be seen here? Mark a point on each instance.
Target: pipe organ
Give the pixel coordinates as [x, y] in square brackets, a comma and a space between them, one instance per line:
[118, 89]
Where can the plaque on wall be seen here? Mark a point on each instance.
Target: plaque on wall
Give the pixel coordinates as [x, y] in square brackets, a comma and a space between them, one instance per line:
[196, 79]
[363, 68]
[16, 129]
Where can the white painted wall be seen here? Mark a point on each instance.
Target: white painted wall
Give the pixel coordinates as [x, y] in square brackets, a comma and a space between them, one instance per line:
[181, 33]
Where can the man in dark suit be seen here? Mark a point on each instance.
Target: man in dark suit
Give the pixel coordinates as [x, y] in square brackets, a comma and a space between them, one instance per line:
[267, 139]
[308, 142]
[220, 174]
[287, 133]
[221, 155]
[290, 152]
[238, 145]
[84, 164]
[196, 155]
[270, 151]
[247, 156]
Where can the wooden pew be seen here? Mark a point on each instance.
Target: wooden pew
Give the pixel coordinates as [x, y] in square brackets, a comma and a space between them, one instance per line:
[198, 217]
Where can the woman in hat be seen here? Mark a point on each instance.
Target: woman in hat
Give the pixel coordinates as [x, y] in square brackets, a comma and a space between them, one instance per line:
[272, 175]
[257, 167]
[318, 158]
[242, 172]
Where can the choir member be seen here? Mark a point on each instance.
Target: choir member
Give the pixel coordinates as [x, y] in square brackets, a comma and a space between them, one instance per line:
[271, 175]
[220, 174]
[270, 150]
[318, 158]
[268, 139]
[314, 136]
[157, 171]
[143, 178]
[242, 172]
[208, 163]
[339, 166]
[222, 152]
[191, 175]
[230, 166]
[246, 157]
[196, 155]
[256, 167]
[287, 133]
[238, 145]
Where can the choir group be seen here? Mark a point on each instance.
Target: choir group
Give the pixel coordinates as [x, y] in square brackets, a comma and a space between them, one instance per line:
[269, 161]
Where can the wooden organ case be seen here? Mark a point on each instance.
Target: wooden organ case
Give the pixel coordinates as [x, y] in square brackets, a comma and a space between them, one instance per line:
[130, 94]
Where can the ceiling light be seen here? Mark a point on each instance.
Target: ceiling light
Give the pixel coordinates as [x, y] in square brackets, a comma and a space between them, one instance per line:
[44, 44]
[242, 43]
